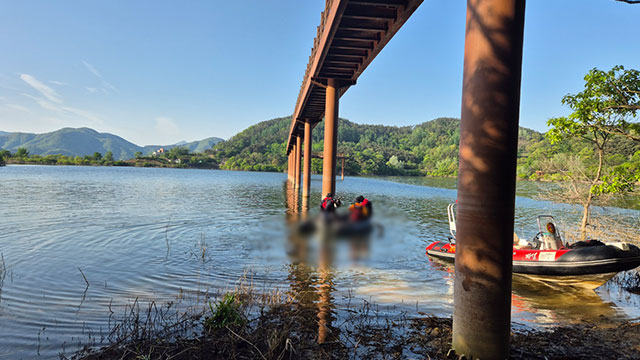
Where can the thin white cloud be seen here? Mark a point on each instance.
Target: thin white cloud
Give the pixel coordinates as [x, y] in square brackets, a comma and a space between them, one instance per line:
[92, 69]
[95, 119]
[97, 73]
[111, 87]
[60, 109]
[17, 107]
[92, 89]
[61, 83]
[43, 89]
[43, 103]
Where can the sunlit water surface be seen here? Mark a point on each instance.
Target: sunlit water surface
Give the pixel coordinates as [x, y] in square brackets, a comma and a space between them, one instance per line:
[186, 235]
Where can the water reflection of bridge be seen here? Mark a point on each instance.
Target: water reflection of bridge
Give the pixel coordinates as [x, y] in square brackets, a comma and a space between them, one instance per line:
[311, 273]
[350, 35]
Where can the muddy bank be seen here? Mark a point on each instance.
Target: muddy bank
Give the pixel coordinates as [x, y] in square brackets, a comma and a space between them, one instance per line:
[291, 330]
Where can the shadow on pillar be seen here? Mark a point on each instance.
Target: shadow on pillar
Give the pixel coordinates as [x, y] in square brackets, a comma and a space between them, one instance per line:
[486, 180]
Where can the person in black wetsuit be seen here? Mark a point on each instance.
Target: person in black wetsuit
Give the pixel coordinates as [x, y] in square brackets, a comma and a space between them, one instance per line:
[329, 204]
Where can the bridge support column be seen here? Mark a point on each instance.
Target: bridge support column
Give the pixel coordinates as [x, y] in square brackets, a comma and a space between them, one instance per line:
[486, 178]
[306, 183]
[289, 167]
[297, 160]
[330, 138]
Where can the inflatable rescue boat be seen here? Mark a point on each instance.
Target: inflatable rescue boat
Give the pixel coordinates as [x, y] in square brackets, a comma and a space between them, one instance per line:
[548, 258]
[338, 226]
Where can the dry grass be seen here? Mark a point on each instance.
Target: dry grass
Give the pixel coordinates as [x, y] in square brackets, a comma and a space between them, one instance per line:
[277, 325]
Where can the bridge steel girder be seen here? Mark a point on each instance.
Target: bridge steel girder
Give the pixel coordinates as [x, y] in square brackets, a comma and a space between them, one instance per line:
[486, 178]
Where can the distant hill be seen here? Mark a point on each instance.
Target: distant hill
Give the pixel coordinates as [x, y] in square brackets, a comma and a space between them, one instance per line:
[430, 148]
[70, 142]
[194, 146]
[85, 141]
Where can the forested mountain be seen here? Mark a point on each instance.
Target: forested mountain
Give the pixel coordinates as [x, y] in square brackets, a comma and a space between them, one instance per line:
[85, 141]
[430, 148]
[193, 147]
[69, 142]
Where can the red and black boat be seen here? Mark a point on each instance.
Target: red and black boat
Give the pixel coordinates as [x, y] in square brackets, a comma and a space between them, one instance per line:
[546, 257]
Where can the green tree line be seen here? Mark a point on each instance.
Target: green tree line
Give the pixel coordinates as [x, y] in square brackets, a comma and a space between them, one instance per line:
[428, 149]
[22, 156]
[179, 157]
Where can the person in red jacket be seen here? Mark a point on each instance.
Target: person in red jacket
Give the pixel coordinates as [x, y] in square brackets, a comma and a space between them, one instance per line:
[329, 204]
[361, 209]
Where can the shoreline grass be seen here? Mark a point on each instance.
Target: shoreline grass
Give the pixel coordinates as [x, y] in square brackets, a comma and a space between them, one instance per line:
[246, 324]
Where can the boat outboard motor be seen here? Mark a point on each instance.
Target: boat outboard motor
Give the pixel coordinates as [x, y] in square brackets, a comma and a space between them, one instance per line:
[451, 213]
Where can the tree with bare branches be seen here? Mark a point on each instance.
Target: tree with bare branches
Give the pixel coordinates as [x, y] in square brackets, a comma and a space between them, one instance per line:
[604, 109]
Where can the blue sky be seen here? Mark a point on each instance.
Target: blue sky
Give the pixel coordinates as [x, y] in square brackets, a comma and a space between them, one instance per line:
[158, 72]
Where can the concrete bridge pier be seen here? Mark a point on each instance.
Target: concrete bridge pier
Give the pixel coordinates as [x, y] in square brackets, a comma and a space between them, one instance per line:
[486, 178]
[289, 167]
[330, 137]
[306, 183]
[290, 170]
[298, 148]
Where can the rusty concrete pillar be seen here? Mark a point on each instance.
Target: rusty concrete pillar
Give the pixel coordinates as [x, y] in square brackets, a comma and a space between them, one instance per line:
[289, 162]
[342, 175]
[330, 138]
[486, 178]
[297, 160]
[306, 183]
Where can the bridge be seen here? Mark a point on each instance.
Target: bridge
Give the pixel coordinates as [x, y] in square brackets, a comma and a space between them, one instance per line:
[350, 35]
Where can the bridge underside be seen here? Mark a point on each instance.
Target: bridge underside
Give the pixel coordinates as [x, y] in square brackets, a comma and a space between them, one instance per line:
[350, 36]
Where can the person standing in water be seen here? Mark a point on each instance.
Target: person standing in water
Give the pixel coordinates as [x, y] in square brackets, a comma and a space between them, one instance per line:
[361, 209]
[329, 204]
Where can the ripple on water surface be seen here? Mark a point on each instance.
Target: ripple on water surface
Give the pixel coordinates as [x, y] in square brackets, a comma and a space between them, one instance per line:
[170, 235]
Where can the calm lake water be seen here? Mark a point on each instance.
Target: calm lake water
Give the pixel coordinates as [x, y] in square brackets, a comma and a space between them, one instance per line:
[171, 235]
